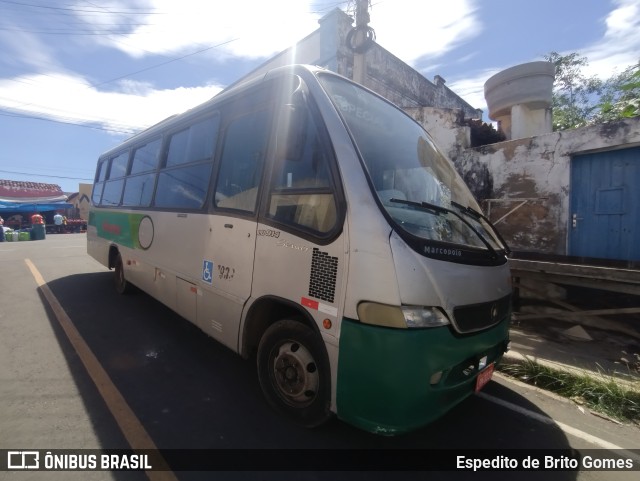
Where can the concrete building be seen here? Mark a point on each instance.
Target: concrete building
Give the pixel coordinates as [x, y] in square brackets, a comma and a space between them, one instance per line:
[570, 193]
[81, 202]
[384, 73]
[519, 99]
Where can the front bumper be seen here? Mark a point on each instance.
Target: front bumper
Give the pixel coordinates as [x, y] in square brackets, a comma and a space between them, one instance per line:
[385, 375]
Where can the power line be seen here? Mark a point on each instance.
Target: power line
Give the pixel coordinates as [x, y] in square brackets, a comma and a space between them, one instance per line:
[74, 32]
[165, 63]
[49, 7]
[45, 175]
[6, 113]
[65, 115]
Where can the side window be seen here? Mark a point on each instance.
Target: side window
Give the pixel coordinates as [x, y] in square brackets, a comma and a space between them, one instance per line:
[112, 190]
[102, 171]
[145, 158]
[302, 192]
[183, 183]
[193, 144]
[119, 165]
[184, 188]
[138, 190]
[101, 175]
[138, 187]
[97, 193]
[242, 161]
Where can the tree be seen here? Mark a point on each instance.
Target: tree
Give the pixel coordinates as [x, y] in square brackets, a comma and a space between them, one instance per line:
[621, 96]
[579, 100]
[573, 93]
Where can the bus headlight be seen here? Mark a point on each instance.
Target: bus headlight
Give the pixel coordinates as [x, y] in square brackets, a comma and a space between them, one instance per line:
[417, 317]
[405, 317]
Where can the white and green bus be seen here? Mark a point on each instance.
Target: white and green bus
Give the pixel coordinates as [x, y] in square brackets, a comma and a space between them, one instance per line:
[303, 221]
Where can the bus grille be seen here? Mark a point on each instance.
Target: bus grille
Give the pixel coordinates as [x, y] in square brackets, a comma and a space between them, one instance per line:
[480, 316]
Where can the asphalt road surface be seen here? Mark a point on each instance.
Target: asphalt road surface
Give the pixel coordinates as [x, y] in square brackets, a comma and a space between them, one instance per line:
[84, 368]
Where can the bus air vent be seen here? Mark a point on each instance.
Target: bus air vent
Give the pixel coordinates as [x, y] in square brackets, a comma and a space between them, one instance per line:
[324, 270]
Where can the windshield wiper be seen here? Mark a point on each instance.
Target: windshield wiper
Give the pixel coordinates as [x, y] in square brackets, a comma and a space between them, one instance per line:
[479, 215]
[437, 210]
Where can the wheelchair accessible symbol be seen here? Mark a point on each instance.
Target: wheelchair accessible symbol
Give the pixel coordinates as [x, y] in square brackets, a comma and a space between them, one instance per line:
[207, 272]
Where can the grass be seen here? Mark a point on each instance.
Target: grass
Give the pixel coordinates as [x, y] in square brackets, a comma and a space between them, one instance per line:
[605, 395]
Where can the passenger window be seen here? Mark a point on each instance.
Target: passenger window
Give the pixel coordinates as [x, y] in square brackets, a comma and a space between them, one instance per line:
[145, 158]
[111, 189]
[185, 187]
[102, 171]
[97, 193]
[193, 144]
[242, 161]
[119, 165]
[112, 192]
[138, 190]
[184, 181]
[302, 192]
[101, 175]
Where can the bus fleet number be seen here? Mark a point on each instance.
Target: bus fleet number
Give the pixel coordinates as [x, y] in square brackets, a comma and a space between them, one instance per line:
[226, 273]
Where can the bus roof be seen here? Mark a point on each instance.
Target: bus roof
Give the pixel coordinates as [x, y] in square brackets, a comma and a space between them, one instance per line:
[205, 106]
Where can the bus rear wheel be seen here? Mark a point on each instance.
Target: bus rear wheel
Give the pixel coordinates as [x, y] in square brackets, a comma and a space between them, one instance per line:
[293, 369]
[122, 285]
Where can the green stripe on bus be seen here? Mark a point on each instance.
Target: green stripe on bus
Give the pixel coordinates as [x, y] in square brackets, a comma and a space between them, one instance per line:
[119, 227]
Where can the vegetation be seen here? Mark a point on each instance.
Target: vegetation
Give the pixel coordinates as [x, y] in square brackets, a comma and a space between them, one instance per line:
[605, 395]
[483, 133]
[579, 100]
[621, 98]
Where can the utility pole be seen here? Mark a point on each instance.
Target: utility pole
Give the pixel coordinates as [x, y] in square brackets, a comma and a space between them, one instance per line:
[360, 40]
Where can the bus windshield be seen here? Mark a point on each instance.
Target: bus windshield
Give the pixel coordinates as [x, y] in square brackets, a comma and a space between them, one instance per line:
[416, 184]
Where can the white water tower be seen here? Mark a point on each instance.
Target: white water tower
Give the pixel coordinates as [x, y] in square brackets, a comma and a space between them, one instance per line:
[519, 99]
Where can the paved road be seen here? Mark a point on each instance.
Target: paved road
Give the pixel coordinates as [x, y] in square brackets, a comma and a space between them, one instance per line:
[162, 382]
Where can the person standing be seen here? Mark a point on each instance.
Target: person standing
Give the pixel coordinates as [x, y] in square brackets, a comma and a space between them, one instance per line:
[58, 221]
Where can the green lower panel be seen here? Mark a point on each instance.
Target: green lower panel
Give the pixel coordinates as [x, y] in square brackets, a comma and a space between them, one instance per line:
[119, 227]
[384, 375]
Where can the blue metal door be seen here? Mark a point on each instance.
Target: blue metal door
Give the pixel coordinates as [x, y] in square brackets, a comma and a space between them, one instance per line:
[604, 218]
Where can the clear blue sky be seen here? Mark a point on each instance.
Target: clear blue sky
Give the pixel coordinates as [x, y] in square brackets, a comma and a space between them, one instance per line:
[79, 76]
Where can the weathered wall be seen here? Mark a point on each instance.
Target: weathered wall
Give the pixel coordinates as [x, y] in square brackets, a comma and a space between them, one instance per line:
[445, 127]
[398, 82]
[537, 168]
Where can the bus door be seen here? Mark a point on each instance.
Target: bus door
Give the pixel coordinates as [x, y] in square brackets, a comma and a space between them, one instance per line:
[227, 264]
[299, 247]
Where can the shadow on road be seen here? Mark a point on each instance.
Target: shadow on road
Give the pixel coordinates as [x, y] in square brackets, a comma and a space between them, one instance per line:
[190, 392]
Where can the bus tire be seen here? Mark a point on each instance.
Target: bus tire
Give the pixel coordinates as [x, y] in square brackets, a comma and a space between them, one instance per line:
[122, 285]
[293, 369]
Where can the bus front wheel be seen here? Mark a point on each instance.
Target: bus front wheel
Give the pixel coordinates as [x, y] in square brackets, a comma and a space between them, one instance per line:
[293, 369]
[122, 285]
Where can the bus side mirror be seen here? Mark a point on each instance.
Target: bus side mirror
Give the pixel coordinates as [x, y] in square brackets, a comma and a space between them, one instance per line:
[291, 132]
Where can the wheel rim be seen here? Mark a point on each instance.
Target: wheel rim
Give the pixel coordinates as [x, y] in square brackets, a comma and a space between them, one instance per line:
[295, 374]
